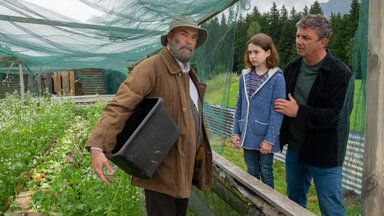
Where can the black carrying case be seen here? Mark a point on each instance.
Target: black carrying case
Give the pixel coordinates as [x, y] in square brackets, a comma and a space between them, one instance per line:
[146, 139]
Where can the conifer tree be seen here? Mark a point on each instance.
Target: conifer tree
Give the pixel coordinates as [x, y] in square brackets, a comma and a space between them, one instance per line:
[316, 8]
[284, 43]
[352, 24]
[305, 11]
[240, 42]
[253, 28]
[353, 18]
[224, 43]
[294, 18]
[274, 25]
[214, 36]
[334, 44]
[283, 15]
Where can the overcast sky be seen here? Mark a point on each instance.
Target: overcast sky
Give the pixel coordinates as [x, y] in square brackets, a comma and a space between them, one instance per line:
[72, 8]
[265, 5]
[81, 12]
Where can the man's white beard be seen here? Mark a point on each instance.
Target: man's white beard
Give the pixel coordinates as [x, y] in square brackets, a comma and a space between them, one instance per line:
[177, 51]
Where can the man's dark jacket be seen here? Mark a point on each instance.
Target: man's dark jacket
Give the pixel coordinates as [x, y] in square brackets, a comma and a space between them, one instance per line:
[319, 118]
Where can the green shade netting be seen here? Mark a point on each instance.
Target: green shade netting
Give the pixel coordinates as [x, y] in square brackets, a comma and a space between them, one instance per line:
[122, 33]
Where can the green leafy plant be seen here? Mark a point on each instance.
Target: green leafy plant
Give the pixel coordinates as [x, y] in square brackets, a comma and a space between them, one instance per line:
[26, 128]
[48, 138]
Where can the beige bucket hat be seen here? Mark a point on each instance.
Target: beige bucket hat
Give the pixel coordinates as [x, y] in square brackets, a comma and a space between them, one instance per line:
[186, 21]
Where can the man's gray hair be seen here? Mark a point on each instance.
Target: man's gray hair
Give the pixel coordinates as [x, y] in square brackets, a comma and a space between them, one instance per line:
[317, 22]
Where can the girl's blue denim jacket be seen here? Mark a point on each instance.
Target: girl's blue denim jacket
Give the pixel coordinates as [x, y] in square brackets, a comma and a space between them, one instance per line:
[255, 118]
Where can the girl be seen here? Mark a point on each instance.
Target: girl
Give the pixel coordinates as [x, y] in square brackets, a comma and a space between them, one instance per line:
[256, 124]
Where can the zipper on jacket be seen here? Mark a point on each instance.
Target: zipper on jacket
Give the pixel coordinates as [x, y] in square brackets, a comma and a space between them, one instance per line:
[246, 120]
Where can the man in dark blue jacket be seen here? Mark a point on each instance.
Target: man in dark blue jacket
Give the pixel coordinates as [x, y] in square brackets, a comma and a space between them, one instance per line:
[316, 85]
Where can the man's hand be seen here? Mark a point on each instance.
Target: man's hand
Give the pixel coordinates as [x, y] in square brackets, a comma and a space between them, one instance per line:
[286, 107]
[265, 147]
[99, 161]
[236, 141]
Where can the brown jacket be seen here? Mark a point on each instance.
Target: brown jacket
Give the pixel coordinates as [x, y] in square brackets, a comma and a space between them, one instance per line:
[161, 76]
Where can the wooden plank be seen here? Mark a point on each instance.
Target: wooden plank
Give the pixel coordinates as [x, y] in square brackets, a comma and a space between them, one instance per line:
[56, 82]
[6, 58]
[88, 98]
[65, 82]
[262, 193]
[72, 82]
[373, 177]
[39, 84]
[46, 83]
[238, 202]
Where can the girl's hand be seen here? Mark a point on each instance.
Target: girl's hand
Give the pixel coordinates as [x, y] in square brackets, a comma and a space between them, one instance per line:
[265, 147]
[236, 141]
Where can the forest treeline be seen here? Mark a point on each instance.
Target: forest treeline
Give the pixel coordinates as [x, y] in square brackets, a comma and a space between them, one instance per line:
[280, 24]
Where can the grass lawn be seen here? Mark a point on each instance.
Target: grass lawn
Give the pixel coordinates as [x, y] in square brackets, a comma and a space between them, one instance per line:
[222, 90]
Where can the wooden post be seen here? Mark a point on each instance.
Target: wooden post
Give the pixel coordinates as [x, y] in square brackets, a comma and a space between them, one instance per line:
[373, 177]
[65, 82]
[57, 82]
[72, 82]
[21, 80]
[38, 87]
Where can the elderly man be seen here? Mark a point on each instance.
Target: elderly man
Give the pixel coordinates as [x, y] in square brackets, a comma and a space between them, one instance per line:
[316, 87]
[167, 75]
